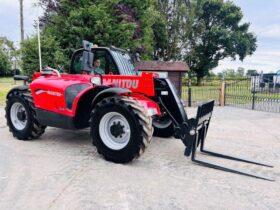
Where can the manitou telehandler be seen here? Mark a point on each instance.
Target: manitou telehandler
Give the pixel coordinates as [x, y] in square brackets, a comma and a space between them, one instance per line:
[121, 107]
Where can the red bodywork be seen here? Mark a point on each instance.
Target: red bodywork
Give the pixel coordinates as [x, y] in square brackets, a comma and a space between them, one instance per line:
[49, 91]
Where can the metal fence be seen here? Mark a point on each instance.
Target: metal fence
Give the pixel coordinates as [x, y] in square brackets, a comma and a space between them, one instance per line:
[254, 93]
[197, 95]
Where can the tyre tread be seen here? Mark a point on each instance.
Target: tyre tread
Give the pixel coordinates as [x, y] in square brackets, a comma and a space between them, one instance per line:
[36, 128]
[145, 122]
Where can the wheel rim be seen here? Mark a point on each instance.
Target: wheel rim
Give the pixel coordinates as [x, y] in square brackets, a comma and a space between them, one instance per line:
[18, 116]
[114, 130]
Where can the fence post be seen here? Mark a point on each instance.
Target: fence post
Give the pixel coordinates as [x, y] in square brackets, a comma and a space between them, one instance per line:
[189, 90]
[222, 93]
[254, 94]
[189, 96]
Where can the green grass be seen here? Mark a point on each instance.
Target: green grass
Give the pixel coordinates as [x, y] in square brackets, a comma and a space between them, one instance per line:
[6, 80]
[201, 93]
[6, 84]
[4, 88]
[240, 94]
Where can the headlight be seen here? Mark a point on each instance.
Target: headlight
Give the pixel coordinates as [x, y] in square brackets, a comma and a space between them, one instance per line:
[96, 80]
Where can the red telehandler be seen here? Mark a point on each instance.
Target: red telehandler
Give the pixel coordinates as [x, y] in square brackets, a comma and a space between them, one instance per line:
[121, 107]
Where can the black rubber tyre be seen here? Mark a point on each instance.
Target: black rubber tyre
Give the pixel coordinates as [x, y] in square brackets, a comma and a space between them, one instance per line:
[32, 129]
[163, 127]
[140, 124]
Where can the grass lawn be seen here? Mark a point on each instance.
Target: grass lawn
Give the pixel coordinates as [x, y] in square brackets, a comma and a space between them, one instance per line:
[202, 93]
[6, 80]
[6, 83]
[4, 88]
[240, 94]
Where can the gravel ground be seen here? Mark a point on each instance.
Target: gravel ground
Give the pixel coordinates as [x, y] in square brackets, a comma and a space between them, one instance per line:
[62, 170]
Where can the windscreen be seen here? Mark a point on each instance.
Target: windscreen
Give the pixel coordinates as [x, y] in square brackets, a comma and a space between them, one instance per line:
[124, 63]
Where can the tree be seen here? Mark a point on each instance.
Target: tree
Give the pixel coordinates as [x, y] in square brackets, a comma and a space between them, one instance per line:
[211, 75]
[251, 72]
[7, 53]
[217, 34]
[122, 23]
[171, 28]
[5, 65]
[52, 55]
[221, 75]
[229, 74]
[240, 72]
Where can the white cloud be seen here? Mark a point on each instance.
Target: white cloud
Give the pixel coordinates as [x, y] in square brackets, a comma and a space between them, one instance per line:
[27, 4]
[262, 60]
[9, 15]
[269, 31]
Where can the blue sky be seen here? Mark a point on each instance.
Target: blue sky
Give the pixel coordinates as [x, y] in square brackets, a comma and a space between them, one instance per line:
[264, 17]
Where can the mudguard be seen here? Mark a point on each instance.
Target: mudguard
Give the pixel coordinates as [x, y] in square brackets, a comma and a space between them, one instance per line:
[20, 88]
[109, 92]
[148, 104]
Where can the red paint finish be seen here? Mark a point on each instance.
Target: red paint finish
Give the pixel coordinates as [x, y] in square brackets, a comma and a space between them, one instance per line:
[147, 103]
[140, 84]
[49, 91]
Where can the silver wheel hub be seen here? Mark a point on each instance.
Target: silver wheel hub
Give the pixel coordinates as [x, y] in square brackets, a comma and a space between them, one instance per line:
[18, 116]
[114, 130]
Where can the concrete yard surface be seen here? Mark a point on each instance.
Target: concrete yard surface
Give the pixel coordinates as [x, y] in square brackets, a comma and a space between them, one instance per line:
[62, 170]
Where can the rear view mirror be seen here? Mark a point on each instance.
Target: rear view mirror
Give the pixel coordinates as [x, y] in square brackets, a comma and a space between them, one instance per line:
[88, 56]
[137, 57]
[87, 45]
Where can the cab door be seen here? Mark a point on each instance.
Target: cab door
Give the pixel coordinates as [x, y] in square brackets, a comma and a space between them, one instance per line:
[107, 63]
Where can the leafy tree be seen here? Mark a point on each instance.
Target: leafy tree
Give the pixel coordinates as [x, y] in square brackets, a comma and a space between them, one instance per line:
[220, 75]
[122, 23]
[171, 29]
[240, 72]
[7, 53]
[52, 55]
[251, 72]
[5, 65]
[230, 74]
[212, 75]
[217, 34]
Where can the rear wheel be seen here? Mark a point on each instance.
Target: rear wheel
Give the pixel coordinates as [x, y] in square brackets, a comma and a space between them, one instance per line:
[163, 127]
[21, 117]
[121, 129]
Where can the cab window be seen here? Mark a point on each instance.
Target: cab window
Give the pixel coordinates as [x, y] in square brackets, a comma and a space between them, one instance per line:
[103, 63]
[77, 63]
[106, 62]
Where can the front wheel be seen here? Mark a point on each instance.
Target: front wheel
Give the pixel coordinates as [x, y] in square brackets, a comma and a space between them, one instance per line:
[121, 129]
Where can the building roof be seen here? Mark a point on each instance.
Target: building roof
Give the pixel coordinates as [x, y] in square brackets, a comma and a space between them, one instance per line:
[162, 66]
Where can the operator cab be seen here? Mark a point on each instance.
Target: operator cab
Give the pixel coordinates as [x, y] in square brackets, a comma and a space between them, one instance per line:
[111, 61]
